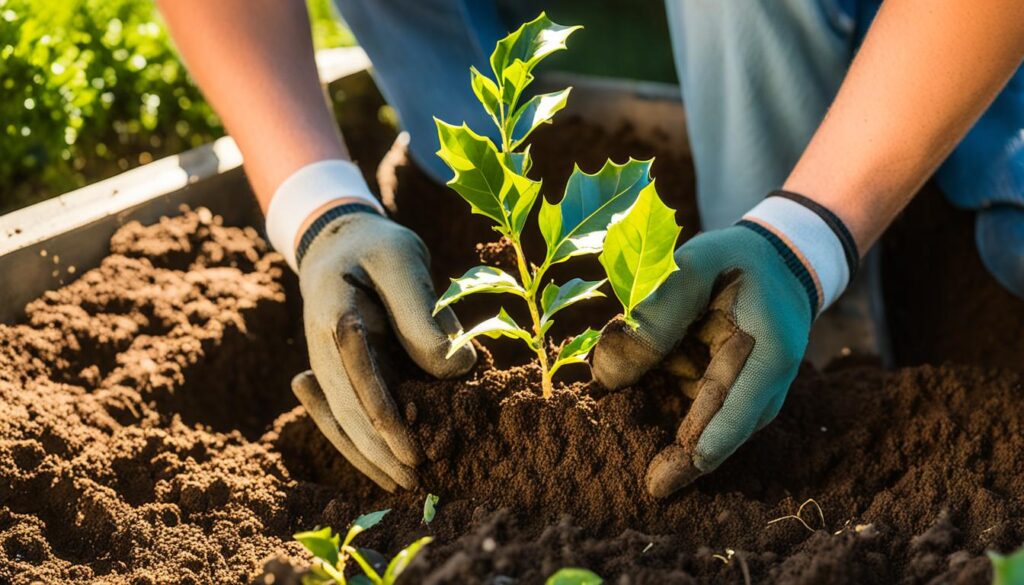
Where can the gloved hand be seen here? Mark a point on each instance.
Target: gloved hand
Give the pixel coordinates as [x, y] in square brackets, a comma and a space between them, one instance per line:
[362, 277]
[755, 294]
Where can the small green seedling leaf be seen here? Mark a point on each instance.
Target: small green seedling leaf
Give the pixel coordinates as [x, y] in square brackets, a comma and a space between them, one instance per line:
[1007, 570]
[360, 580]
[579, 223]
[530, 43]
[364, 522]
[501, 325]
[487, 92]
[429, 509]
[368, 570]
[574, 576]
[322, 544]
[480, 279]
[639, 251]
[577, 350]
[402, 560]
[555, 298]
[538, 110]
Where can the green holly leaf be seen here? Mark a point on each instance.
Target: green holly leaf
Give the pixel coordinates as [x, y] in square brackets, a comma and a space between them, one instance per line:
[639, 251]
[538, 110]
[579, 223]
[480, 279]
[479, 173]
[487, 92]
[577, 350]
[321, 544]
[573, 576]
[555, 298]
[522, 193]
[501, 325]
[514, 80]
[364, 522]
[403, 559]
[520, 162]
[530, 43]
[1007, 570]
[429, 508]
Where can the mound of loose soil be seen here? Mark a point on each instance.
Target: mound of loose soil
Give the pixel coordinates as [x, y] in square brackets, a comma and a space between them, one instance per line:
[147, 435]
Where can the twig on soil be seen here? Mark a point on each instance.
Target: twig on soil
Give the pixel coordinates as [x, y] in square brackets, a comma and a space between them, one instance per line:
[799, 515]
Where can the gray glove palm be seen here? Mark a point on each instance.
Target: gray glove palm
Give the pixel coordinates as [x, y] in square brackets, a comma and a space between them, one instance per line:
[363, 277]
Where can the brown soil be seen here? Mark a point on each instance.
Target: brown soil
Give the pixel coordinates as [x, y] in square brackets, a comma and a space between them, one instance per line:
[147, 435]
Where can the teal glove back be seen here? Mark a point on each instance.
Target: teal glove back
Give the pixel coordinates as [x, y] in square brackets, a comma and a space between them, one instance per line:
[746, 296]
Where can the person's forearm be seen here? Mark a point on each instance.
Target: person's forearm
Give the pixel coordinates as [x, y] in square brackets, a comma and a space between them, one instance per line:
[925, 73]
[254, 61]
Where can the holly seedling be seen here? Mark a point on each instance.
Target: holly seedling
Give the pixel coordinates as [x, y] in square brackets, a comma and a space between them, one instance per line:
[615, 212]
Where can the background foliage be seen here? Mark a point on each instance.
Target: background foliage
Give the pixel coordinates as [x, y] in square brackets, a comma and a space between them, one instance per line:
[93, 87]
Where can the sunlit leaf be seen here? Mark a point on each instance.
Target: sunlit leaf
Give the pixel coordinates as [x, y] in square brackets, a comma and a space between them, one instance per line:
[521, 195]
[573, 576]
[479, 279]
[402, 560]
[501, 325]
[514, 80]
[577, 350]
[362, 523]
[538, 110]
[530, 43]
[486, 90]
[479, 174]
[1007, 570]
[639, 252]
[554, 298]
[429, 509]
[364, 564]
[579, 223]
[322, 544]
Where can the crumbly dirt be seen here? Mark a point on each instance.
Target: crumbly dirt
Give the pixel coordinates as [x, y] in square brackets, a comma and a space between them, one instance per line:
[147, 435]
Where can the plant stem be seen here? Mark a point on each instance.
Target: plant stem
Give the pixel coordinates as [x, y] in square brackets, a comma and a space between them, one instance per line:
[531, 301]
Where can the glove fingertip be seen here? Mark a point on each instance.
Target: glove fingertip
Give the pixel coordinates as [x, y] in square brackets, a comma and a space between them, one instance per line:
[671, 470]
[405, 477]
[461, 362]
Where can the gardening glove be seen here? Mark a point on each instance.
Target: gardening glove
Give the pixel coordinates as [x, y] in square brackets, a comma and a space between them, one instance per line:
[364, 281]
[749, 293]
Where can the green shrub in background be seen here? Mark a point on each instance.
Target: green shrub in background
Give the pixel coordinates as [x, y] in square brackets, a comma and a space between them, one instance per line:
[93, 87]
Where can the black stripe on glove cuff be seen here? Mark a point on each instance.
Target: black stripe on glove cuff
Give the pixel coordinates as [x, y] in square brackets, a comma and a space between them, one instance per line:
[833, 222]
[326, 218]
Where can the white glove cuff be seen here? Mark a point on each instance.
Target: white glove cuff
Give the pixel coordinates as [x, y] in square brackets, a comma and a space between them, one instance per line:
[815, 243]
[307, 190]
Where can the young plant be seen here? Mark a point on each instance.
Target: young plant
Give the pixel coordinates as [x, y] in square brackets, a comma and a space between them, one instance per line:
[615, 212]
[574, 576]
[1007, 570]
[332, 554]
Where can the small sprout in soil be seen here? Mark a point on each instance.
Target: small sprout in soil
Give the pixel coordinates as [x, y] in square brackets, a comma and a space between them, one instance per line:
[1007, 570]
[615, 212]
[429, 509]
[574, 576]
[799, 516]
[331, 554]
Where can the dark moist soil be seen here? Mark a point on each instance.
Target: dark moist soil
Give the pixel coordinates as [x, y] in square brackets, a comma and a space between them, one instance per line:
[147, 435]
